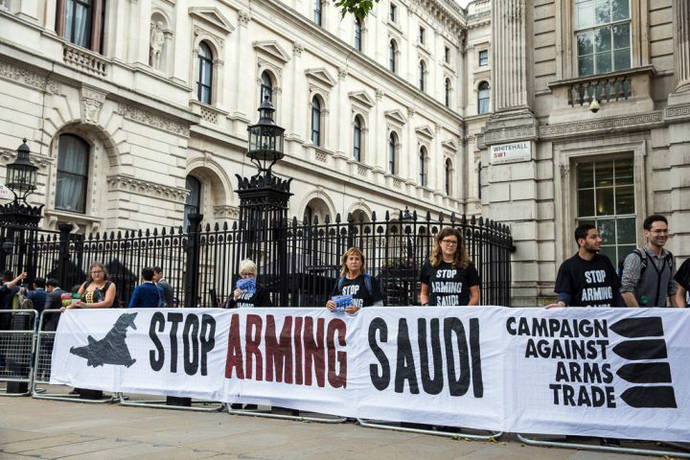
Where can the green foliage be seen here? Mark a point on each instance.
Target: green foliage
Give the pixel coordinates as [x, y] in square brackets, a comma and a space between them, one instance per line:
[358, 8]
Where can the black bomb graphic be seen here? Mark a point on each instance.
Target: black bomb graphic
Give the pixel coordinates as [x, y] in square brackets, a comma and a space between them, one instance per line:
[582, 351]
[112, 349]
[644, 349]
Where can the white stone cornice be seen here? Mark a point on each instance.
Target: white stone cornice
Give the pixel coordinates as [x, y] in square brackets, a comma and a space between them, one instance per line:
[362, 98]
[271, 48]
[226, 212]
[22, 75]
[121, 183]
[321, 75]
[213, 17]
[604, 125]
[135, 113]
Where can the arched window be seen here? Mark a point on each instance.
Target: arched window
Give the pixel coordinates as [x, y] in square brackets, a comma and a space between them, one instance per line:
[483, 97]
[358, 34]
[315, 121]
[392, 144]
[204, 78]
[422, 76]
[422, 167]
[392, 51]
[449, 176]
[357, 140]
[318, 6]
[266, 88]
[447, 92]
[72, 173]
[192, 204]
[308, 215]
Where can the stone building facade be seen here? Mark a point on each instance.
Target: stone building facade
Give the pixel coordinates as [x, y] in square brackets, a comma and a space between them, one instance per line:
[591, 122]
[137, 111]
[536, 113]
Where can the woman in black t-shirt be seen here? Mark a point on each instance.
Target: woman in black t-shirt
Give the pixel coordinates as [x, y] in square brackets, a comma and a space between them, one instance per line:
[245, 298]
[449, 278]
[683, 279]
[363, 288]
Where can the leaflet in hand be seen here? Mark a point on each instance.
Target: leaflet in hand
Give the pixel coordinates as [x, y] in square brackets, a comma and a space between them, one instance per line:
[342, 302]
[247, 285]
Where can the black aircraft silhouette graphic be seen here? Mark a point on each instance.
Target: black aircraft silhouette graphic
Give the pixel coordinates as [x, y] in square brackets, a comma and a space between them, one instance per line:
[112, 349]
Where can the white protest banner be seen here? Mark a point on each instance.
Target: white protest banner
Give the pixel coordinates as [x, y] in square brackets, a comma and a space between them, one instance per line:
[583, 371]
[176, 352]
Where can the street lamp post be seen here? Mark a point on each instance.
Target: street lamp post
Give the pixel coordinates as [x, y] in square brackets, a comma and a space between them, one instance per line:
[18, 219]
[264, 199]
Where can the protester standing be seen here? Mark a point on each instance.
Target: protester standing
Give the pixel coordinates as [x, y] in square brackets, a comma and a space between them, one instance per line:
[53, 302]
[147, 294]
[587, 279]
[38, 295]
[248, 298]
[448, 277]
[354, 281]
[163, 287]
[647, 278]
[97, 291]
[683, 279]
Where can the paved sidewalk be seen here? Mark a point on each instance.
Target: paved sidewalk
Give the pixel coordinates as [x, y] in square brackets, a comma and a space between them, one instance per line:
[54, 429]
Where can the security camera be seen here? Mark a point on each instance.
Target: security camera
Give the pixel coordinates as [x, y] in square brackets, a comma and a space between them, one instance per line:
[594, 106]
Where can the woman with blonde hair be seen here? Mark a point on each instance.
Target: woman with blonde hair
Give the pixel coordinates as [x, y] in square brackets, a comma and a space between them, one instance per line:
[97, 291]
[248, 294]
[354, 281]
[449, 278]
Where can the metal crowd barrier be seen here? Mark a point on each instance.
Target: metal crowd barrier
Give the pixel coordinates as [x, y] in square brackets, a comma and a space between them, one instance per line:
[16, 350]
[609, 448]
[195, 405]
[44, 351]
[268, 413]
[385, 425]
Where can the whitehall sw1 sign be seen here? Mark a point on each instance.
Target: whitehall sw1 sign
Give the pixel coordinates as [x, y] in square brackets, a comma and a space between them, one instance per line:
[511, 153]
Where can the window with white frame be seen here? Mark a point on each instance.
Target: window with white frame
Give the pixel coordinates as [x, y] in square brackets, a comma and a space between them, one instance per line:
[192, 204]
[483, 58]
[204, 77]
[392, 146]
[422, 167]
[449, 176]
[447, 92]
[357, 139]
[392, 51]
[318, 11]
[602, 32]
[316, 120]
[358, 34]
[483, 97]
[422, 32]
[266, 88]
[72, 173]
[606, 198]
[422, 75]
[392, 12]
[81, 22]
[446, 55]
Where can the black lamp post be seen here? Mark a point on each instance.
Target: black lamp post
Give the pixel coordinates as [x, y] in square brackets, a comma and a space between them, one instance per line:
[266, 141]
[18, 219]
[21, 179]
[264, 201]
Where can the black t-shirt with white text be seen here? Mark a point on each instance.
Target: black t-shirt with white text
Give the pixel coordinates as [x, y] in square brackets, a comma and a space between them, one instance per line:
[683, 278]
[448, 285]
[357, 288]
[590, 283]
[260, 298]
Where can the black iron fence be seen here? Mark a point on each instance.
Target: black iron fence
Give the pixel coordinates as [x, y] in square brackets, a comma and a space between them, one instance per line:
[299, 262]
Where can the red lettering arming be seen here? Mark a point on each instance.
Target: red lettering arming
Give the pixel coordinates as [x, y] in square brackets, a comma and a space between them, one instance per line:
[314, 351]
[340, 379]
[297, 339]
[279, 351]
[252, 346]
[234, 358]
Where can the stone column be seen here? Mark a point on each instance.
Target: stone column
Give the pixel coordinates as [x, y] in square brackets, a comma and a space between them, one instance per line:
[681, 45]
[511, 193]
[295, 127]
[677, 115]
[240, 112]
[343, 117]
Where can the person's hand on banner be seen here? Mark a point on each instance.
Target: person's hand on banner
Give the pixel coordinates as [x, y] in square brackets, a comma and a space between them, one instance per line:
[352, 309]
[557, 304]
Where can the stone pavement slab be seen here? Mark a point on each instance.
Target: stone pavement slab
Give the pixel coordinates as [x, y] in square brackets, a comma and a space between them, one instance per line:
[32, 428]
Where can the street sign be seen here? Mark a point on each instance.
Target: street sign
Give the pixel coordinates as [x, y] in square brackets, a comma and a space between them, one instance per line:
[5, 193]
[511, 153]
